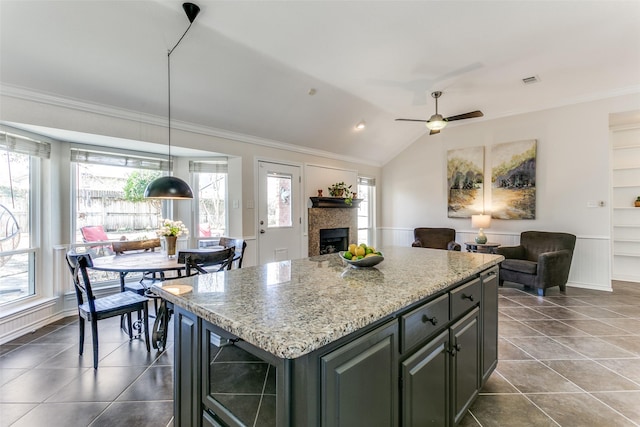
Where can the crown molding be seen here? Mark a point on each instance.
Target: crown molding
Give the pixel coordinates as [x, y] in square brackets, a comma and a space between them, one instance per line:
[135, 116]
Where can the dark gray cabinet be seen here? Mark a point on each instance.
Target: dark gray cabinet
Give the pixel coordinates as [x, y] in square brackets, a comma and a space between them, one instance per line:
[359, 385]
[465, 362]
[442, 377]
[489, 319]
[423, 365]
[187, 376]
[425, 384]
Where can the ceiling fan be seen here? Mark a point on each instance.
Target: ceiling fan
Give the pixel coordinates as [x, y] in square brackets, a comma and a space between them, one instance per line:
[436, 122]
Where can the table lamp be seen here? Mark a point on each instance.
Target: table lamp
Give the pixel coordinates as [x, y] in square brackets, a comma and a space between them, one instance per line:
[481, 222]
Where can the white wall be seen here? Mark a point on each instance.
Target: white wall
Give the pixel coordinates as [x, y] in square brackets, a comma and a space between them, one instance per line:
[572, 170]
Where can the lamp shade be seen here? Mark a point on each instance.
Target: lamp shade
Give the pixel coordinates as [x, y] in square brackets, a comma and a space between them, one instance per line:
[480, 221]
[168, 187]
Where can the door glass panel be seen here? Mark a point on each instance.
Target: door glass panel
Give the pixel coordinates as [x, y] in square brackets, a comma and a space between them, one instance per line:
[279, 211]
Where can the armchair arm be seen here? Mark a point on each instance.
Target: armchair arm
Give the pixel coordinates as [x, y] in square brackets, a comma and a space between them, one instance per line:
[454, 246]
[511, 252]
[417, 243]
[553, 267]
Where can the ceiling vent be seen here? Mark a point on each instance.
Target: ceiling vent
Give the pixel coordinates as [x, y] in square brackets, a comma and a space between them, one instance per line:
[530, 80]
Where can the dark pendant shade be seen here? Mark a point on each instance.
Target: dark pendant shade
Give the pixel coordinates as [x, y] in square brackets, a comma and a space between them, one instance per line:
[168, 187]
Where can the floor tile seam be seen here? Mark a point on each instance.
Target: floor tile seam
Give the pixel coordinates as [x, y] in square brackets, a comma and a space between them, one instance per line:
[145, 370]
[612, 408]
[616, 372]
[541, 410]
[262, 394]
[519, 348]
[469, 412]
[586, 356]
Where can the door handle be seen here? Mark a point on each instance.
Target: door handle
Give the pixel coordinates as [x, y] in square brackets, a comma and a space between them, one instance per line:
[262, 231]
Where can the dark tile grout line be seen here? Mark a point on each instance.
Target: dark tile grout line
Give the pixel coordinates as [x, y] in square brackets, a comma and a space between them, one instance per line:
[583, 391]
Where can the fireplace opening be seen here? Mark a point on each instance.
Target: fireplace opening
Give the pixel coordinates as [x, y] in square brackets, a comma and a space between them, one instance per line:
[334, 240]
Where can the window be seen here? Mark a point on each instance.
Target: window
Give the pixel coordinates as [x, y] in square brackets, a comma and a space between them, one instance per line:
[210, 180]
[366, 210]
[109, 201]
[279, 209]
[19, 207]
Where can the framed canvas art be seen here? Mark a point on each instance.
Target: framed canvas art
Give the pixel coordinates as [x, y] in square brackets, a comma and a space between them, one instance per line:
[465, 180]
[513, 180]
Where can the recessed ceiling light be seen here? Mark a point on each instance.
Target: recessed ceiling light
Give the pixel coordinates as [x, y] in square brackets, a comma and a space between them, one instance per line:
[361, 125]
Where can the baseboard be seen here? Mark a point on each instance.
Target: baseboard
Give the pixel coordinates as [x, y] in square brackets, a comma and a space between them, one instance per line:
[29, 319]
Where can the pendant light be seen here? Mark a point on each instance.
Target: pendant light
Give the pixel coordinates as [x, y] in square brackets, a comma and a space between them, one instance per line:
[171, 187]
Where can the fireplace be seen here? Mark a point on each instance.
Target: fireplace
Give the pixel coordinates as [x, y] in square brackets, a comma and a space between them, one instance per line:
[332, 218]
[333, 240]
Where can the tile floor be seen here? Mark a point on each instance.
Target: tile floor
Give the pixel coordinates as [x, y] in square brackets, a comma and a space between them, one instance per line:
[564, 360]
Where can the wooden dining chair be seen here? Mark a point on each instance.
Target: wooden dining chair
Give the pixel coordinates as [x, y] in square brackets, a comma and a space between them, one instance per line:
[93, 309]
[202, 261]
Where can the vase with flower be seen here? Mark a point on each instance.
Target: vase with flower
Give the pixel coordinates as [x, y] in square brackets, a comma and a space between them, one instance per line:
[170, 231]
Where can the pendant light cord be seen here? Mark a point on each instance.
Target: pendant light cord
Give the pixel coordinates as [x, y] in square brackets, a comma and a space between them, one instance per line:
[169, 89]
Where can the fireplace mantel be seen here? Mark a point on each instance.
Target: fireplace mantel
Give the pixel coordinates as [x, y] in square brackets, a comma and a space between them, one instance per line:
[333, 202]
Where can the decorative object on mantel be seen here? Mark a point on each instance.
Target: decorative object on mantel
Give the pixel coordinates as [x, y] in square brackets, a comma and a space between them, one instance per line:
[319, 193]
[637, 202]
[333, 202]
[170, 231]
[340, 189]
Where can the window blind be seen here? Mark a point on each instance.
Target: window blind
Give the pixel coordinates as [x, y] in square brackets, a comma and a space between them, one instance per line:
[218, 165]
[366, 181]
[24, 145]
[117, 159]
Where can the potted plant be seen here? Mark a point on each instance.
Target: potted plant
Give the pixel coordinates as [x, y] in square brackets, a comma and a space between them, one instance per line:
[637, 202]
[340, 189]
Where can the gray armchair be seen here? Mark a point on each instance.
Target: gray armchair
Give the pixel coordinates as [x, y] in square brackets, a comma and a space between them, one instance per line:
[435, 238]
[542, 260]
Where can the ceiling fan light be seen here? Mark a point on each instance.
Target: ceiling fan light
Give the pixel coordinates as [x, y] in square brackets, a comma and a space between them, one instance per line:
[436, 122]
[168, 187]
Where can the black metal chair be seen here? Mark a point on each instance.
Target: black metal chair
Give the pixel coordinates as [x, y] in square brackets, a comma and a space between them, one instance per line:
[239, 244]
[93, 309]
[196, 261]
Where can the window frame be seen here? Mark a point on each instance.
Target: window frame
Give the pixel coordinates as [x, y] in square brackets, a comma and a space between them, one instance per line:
[37, 150]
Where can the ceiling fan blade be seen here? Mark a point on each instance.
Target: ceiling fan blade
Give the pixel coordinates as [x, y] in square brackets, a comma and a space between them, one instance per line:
[411, 120]
[470, 115]
[433, 132]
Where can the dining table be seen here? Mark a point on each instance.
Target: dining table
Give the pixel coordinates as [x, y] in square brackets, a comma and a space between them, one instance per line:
[151, 264]
[154, 266]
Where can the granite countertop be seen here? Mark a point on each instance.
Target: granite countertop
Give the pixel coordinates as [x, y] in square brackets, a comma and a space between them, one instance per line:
[291, 308]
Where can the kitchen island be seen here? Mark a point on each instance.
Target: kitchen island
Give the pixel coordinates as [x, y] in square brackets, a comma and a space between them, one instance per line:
[406, 342]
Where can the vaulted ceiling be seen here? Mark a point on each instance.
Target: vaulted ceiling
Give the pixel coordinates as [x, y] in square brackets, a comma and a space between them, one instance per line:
[248, 66]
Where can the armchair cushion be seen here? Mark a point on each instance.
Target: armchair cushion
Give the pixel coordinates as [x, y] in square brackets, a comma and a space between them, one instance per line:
[520, 265]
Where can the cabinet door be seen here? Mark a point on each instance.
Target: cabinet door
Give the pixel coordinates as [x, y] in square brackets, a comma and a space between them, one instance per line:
[489, 317]
[425, 385]
[360, 381]
[186, 386]
[465, 349]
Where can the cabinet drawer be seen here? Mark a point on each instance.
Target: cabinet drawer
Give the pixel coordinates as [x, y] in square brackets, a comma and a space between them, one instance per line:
[464, 297]
[424, 321]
